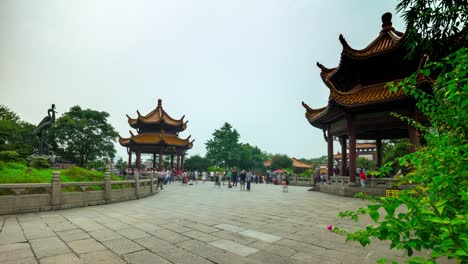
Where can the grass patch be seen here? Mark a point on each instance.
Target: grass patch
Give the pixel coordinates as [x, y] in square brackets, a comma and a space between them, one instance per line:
[11, 172]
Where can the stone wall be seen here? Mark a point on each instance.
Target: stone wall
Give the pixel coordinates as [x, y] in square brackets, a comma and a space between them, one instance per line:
[56, 198]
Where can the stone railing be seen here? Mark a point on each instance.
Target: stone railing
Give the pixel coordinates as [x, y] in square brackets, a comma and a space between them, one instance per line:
[302, 181]
[385, 183]
[77, 194]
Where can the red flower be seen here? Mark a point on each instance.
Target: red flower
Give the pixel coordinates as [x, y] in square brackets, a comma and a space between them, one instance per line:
[330, 227]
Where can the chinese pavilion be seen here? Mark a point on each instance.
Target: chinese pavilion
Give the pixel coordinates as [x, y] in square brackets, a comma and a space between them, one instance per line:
[360, 103]
[158, 134]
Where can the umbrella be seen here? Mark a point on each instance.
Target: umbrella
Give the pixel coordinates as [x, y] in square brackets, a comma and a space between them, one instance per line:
[278, 171]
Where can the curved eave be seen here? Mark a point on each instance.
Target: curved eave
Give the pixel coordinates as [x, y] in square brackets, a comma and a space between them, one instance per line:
[314, 115]
[369, 95]
[299, 164]
[387, 41]
[156, 139]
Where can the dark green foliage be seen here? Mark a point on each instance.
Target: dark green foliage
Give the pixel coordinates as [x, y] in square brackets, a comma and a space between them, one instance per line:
[196, 162]
[40, 162]
[251, 158]
[83, 136]
[15, 134]
[280, 161]
[9, 156]
[364, 163]
[435, 27]
[223, 149]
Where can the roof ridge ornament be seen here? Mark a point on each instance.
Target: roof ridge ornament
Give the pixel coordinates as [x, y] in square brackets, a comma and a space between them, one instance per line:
[387, 22]
[159, 103]
[343, 42]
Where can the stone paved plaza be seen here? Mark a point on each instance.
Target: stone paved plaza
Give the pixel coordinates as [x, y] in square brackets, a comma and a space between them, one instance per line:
[192, 224]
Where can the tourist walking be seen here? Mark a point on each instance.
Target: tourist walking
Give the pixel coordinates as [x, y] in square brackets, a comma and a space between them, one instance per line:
[242, 180]
[249, 180]
[203, 176]
[195, 176]
[363, 178]
[234, 178]
[229, 175]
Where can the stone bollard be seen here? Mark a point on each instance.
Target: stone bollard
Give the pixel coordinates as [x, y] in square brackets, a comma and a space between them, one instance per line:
[56, 197]
[137, 185]
[107, 185]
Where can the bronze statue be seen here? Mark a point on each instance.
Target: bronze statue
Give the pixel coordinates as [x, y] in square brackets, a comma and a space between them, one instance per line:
[41, 129]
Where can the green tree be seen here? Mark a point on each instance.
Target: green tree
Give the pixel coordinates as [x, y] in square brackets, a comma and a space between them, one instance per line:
[83, 136]
[364, 163]
[196, 162]
[319, 160]
[224, 149]
[251, 157]
[280, 161]
[15, 134]
[434, 27]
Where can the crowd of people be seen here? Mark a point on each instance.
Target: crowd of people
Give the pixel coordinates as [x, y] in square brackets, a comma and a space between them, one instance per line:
[230, 178]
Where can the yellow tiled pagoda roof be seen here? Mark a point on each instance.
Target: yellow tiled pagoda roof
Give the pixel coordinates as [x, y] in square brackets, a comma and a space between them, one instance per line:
[157, 116]
[156, 139]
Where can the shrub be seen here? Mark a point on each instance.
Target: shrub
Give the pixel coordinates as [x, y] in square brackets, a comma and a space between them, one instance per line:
[40, 162]
[9, 156]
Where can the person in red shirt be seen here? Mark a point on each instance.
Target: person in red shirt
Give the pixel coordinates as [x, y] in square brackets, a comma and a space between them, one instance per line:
[363, 178]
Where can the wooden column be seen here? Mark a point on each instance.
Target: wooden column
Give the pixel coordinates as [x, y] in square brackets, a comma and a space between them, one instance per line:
[344, 157]
[352, 150]
[378, 144]
[182, 161]
[138, 159]
[330, 153]
[154, 161]
[172, 161]
[129, 158]
[160, 158]
[178, 161]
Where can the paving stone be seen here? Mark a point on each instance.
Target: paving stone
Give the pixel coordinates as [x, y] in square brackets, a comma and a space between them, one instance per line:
[122, 246]
[201, 227]
[85, 246]
[266, 257]
[179, 255]
[11, 232]
[154, 244]
[200, 236]
[116, 225]
[147, 227]
[200, 248]
[15, 251]
[260, 236]
[105, 235]
[273, 248]
[74, 234]
[102, 257]
[234, 247]
[231, 228]
[50, 246]
[30, 260]
[234, 237]
[69, 258]
[144, 257]
[176, 228]
[132, 233]
[231, 258]
[169, 236]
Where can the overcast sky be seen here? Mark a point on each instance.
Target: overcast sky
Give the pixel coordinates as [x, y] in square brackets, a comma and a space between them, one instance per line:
[247, 62]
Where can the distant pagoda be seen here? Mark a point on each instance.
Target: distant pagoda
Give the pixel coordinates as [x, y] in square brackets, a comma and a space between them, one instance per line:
[158, 134]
